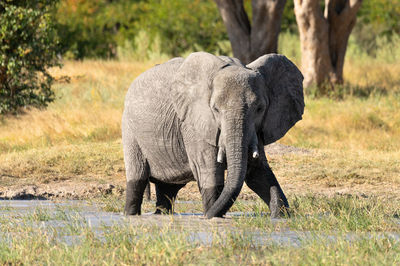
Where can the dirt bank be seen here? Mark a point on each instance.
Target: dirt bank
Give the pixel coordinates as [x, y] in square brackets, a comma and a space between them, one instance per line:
[84, 188]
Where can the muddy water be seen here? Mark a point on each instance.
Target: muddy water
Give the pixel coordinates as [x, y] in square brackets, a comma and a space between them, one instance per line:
[52, 217]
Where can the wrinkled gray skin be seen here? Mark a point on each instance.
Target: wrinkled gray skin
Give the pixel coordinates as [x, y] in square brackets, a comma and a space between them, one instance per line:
[191, 119]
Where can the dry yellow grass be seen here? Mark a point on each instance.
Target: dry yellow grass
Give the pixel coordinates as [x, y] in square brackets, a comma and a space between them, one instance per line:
[372, 74]
[351, 124]
[87, 108]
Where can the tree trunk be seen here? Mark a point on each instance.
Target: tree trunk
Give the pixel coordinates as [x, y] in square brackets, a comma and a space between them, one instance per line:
[324, 37]
[251, 41]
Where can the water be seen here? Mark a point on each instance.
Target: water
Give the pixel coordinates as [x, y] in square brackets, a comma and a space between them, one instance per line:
[70, 216]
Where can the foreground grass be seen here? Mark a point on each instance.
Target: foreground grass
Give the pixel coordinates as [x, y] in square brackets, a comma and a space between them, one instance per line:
[78, 243]
[328, 214]
[307, 213]
[130, 246]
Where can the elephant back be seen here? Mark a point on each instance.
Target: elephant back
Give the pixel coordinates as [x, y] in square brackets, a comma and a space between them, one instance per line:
[151, 82]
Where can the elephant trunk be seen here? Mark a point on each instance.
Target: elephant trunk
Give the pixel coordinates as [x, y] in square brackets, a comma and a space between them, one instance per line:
[236, 144]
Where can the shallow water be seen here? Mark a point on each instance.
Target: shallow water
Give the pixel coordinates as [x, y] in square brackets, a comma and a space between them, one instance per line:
[67, 216]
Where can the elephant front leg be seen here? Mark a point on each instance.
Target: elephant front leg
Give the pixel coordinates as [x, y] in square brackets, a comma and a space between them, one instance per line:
[262, 181]
[211, 184]
[209, 195]
[208, 173]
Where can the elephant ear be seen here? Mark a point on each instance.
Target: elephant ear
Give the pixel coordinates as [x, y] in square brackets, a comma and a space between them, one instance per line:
[191, 92]
[284, 89]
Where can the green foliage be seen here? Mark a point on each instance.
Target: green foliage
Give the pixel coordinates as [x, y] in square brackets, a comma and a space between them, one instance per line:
[88, 28]
[288, 18]
[383, 15]
[376, 19]
[182, 24]
[143, 48]
[105, 28]
[28, 46]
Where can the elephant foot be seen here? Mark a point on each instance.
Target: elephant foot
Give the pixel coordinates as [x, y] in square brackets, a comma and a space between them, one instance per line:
[162, 211]
[134, 196]
[281, 212]
[278, 205]
[131, 210]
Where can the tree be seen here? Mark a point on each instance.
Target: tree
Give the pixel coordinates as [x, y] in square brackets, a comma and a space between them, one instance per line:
[28, 46]
[250, 41]
[324, 37]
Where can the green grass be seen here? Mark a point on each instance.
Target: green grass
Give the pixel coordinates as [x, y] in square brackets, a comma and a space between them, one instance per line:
[307, 213]
[127, 244]
[327, 214]
[177, 251]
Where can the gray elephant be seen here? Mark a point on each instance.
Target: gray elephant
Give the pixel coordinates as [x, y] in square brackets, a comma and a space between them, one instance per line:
[191, 119]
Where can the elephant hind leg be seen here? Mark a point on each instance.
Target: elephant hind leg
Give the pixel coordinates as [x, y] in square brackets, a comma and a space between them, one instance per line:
[166, 195]
[137, 177]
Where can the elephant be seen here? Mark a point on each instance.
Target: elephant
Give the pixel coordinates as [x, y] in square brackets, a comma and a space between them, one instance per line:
[190, 119]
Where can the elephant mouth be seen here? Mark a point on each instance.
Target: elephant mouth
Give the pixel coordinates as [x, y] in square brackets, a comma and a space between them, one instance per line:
[253, 148]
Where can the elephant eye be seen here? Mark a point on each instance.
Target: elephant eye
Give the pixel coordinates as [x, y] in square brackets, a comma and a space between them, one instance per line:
[259, 109]
[216, 109]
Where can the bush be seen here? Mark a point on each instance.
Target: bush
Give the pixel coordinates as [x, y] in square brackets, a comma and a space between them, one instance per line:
[102, 28]
[376, 19]
[28, 46]
[87, 28]
[183, 24]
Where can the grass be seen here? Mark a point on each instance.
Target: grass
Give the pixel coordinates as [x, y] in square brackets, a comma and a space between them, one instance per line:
[347, 183]
[321, 214]
[371, 124]
[63, 162]
[167, 250]
[310, 212]
[87, 109]
[80, 243]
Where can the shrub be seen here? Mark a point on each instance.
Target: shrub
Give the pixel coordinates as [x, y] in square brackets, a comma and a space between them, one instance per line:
[28, 46]
[182, 24]
[102, 28]
[87, 28]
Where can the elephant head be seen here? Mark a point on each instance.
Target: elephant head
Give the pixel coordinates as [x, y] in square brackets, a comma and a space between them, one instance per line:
[235, 107]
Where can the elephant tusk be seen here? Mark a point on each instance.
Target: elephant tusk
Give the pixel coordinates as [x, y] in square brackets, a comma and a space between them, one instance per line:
[254, 147]
[256, 155]
[221, 154]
